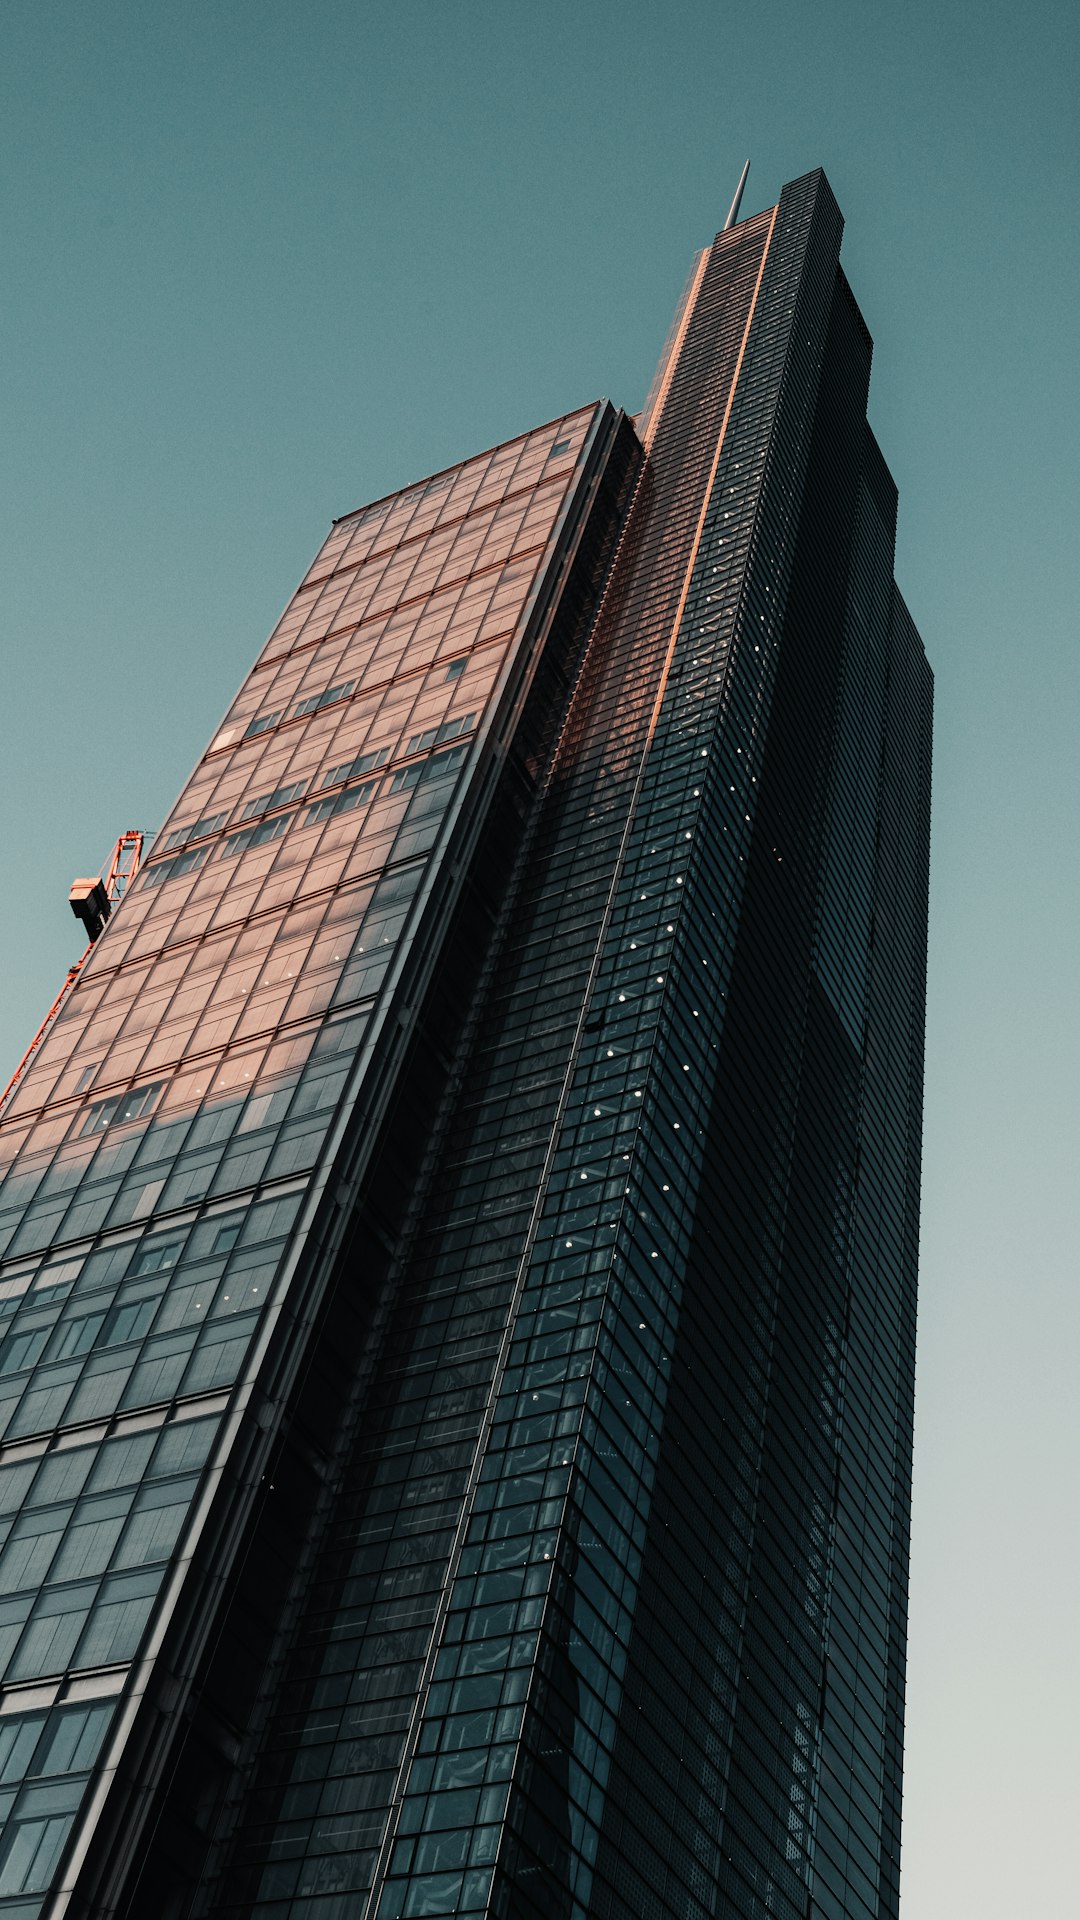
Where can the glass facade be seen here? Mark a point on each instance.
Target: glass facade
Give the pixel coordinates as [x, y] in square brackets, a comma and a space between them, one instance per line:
[458, 1243]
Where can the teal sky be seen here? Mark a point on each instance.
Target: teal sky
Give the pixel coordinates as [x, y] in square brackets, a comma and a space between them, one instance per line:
[265, 262]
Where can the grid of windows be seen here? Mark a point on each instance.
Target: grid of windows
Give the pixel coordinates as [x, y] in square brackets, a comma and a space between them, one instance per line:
[154, 1163]
[85, 1549]
[46, 1753]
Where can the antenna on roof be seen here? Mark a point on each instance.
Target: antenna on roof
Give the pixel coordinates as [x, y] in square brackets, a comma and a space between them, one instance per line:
[734, 213]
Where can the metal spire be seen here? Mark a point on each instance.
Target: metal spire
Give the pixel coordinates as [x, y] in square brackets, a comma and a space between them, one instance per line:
[734, 214]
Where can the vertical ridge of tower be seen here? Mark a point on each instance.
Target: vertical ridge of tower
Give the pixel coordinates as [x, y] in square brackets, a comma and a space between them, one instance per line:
[733, 210]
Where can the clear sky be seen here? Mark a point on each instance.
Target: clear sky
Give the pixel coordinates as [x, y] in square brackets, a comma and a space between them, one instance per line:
[267, 261]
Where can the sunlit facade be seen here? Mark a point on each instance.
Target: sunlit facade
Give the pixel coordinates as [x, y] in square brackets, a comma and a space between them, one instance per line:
[458, 1242]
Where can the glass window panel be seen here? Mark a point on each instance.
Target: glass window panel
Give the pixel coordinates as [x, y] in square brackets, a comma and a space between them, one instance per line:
[14, 1482]
[29, 1552]
[49, 1641]
[20, 1350]
[99, 1390]
[62, 1475]
[29, 1851]
[118, 1619]
[87, 1548]
[153, 1530]
[19, 1737]
[73, 1740]
[122, 1461]
[183, 1446]
[216, 1364]
[158, 1376]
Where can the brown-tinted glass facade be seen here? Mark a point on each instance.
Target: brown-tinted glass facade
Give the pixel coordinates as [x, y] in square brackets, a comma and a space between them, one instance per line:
[458, 1243]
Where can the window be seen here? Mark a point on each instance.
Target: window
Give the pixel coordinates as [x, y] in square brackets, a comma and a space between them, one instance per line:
[420, 741]
[443, 763]
[262, 724]
[120, 1108]
[455, 670]
[156, 1256]
[561, 446]
[279, 798]
[255, 836]
[31, 1849]
[364, 763]
[73, 1739]
[378, 512]
[341, 802]
[20, 1350]
[395, 888]
[18, 1739]
[325, 699]
[118, 1620]
[408, 777]
[128, 1322]
[172, 869]
[77, 1336]
[197, 829]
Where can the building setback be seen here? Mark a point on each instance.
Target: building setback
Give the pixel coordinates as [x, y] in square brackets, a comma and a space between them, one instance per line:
[458, 1241]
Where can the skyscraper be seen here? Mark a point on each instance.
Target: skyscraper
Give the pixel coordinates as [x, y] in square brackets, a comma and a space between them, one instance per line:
[458, 1241]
